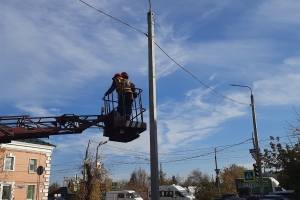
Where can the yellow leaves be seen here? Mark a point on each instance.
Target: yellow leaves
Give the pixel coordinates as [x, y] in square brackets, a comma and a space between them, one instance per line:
[228, 176]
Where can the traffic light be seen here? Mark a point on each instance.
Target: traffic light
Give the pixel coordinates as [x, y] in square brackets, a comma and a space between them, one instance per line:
[256, 170]
[217, 180]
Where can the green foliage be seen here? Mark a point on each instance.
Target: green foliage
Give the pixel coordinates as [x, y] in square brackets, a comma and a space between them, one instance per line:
[206, 190]
[284, 160]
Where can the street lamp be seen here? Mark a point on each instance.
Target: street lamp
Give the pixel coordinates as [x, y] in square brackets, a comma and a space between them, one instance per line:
[258, 159]
[103, 142]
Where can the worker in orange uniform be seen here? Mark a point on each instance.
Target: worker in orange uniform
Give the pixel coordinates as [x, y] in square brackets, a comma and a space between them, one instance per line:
[117, 85]
[128, 89]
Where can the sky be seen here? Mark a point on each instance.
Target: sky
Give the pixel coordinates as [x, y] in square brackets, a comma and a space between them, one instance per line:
[58, 57]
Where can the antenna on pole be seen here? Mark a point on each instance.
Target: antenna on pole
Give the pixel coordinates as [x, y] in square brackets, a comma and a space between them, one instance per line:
[150, 6]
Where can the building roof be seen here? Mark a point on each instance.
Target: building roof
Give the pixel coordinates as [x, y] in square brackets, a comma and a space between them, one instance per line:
[36, 141]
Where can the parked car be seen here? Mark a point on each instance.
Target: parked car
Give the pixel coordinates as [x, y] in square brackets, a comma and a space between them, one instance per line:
[273, 197]
[56, 198]
[229, 196]
[287, 193]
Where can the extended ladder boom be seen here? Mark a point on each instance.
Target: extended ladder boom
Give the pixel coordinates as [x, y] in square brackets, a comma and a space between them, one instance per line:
[115, 127]
[25, 127]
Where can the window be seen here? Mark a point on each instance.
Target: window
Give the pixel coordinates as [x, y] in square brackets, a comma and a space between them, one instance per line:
[6, 192]
[168, 193]
[9, 163]
[161, 193]
[30, 192]
[121, 195]
[32, 165]
[178, 194]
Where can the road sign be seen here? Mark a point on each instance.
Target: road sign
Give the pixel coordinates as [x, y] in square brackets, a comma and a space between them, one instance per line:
[114, 185]
[249, 176]
[253, 153]
[40, 170]
[252, 150]
[268, 188]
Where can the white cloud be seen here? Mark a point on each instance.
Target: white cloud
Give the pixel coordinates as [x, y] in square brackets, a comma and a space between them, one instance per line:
[294, 62]
[278, 90]
[213, 76]
[281, 12]
[193, 119]
[35, 110]
[55, 55]
[211, 11]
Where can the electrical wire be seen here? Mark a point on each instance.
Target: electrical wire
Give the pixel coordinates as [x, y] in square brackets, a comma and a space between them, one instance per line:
[199, 159]
[197, 78]
[166, 53]
[113, 17]
[207, 153]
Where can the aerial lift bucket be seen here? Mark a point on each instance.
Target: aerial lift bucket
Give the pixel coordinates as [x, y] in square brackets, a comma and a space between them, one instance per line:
[119, 129]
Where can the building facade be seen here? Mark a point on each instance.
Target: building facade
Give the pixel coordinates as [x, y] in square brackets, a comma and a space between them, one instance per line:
[19, 166]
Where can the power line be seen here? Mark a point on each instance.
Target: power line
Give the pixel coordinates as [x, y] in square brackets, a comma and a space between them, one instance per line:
[197, 78]
[207, 153]
[113, 18]
[165, 54]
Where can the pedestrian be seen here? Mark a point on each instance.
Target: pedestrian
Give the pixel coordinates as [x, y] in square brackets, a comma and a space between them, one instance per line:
[117, 82]
[244, 193]
[127, 89]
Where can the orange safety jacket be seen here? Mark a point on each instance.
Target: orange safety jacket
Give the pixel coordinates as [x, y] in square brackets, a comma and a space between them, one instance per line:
[126, 85]
[118, 81]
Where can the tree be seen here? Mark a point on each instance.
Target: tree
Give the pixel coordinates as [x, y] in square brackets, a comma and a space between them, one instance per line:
[284, 160]
[228, 176]
[95, 182]
[195, 177]
[205, 187]
[206, 190]
[174, 180]
[177, 180]
[54, 186]
[139, 182]
[133, 180]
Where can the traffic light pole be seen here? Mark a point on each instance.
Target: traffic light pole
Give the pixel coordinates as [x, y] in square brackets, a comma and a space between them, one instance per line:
[258, 159]
[217, 172]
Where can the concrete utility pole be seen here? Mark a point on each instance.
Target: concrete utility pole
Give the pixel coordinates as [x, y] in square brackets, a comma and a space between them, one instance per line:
[97, 152]
[152, 108]
[217, 172]
[258, 159]
[85, 161]
[87, 174]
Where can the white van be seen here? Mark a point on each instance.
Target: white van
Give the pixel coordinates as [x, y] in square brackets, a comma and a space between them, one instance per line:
[168, 192]
[123, 195]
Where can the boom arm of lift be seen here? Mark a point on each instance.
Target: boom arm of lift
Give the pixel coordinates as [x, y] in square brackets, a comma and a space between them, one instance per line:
[115, 128]
[26, 127]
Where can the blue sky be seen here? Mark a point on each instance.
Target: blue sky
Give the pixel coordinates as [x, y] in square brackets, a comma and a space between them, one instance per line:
[58, 57]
